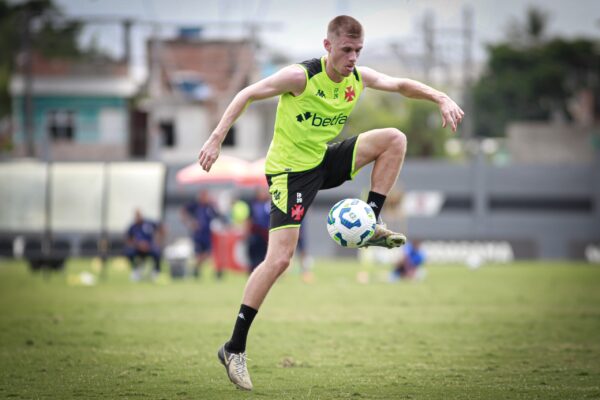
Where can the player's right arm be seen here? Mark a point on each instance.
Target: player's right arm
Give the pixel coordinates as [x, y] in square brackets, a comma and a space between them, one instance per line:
[450, 111]
[291, 79]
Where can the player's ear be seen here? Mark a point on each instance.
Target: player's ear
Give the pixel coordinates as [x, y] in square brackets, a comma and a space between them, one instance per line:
[327, 44]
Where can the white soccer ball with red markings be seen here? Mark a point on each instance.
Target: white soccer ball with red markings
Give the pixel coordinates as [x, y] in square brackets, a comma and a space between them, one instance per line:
[351, 222]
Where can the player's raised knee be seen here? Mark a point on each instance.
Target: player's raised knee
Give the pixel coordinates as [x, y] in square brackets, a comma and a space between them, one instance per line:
[397, 139]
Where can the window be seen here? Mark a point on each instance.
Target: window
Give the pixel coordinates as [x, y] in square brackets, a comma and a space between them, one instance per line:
[230, 138]
[167, 133]
[61, 124]
[191, 85]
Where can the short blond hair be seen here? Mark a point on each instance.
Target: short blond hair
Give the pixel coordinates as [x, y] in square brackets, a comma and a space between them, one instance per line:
[344, 25]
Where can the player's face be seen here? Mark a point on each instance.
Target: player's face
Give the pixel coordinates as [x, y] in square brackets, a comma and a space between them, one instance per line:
[202, 197]
[343, 52]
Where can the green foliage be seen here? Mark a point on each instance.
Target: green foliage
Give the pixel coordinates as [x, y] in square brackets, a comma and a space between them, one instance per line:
[9, 41]
[58, 40]
[528, 78]
[52, 36]
[419, 120]
[522, 331]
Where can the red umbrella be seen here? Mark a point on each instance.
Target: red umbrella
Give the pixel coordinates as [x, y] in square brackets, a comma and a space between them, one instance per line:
[225, 169]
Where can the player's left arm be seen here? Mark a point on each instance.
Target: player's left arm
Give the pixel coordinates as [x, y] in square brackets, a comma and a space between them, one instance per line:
[451, 113]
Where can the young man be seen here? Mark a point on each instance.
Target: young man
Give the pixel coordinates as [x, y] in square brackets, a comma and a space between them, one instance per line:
[316, 98]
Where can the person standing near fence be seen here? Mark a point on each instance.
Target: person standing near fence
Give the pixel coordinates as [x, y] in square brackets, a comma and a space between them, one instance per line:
[198, 215]
[258, 227]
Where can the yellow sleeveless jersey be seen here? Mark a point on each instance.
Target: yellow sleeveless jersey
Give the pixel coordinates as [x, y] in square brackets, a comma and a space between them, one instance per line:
[305, 123]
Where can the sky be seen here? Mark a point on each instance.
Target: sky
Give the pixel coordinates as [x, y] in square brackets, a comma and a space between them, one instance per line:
[297, 28]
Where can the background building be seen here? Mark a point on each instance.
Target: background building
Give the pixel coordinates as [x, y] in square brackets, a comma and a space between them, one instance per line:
[80, 109]
[191, 81]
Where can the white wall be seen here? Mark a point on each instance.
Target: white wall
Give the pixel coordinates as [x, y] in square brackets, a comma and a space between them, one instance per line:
[249, 136]
[191, 130]
[544, 143]
[193, 127]
[113, 126]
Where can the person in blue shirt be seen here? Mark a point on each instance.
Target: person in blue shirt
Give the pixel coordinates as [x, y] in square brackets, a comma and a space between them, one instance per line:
[198, 215]
[413, 258]
[258, 227]
[143, 239]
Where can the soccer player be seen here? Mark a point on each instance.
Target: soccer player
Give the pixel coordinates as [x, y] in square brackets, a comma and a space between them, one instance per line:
[316, 98]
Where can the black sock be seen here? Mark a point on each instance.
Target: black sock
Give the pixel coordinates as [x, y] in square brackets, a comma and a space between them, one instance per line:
[376, 200]
[237, 343]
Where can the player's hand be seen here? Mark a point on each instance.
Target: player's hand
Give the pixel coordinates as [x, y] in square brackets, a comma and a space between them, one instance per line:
[209, 154]
[451, 113]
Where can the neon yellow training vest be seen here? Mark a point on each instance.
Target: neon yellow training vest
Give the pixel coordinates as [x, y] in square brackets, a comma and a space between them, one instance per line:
[305, 123]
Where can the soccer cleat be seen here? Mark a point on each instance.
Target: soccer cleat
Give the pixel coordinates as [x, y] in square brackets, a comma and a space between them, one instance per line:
[383, 237]
[235, 364]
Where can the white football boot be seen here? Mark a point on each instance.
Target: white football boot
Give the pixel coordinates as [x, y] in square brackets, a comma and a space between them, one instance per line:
[383, 237]
[235, 364]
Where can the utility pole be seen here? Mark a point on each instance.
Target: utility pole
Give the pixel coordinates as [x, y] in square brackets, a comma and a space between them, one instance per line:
[27, 64]
[467, 30]
[431, 59]
[126, 23]
[429, 45]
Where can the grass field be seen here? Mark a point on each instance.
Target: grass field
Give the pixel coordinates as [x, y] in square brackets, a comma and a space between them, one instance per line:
[521, 331]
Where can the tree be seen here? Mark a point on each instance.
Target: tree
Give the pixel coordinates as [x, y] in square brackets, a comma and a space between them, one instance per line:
[532, 31]
[529, 77]
[51, 35]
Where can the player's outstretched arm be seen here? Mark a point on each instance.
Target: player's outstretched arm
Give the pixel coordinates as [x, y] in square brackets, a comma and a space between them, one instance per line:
[451, 113]
[290, 79]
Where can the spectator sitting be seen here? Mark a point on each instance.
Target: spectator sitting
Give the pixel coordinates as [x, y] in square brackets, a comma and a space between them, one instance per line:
[143, 240]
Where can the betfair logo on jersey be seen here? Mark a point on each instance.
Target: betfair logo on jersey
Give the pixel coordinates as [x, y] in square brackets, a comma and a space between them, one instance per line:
[317, 120]
[303, 117]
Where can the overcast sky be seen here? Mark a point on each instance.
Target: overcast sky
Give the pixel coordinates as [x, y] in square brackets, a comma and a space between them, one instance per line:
[302, 24]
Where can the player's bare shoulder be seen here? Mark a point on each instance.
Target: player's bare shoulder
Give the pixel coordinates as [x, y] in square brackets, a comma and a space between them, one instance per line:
[378, 80]
[296, 77]
[369, 75]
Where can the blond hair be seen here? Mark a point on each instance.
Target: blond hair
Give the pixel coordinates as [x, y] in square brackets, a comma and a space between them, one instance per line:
[344, 25]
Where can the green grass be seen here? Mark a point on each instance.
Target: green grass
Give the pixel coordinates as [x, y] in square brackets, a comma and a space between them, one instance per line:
[521, 331]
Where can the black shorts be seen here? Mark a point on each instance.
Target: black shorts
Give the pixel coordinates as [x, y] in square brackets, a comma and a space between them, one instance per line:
[293, 192]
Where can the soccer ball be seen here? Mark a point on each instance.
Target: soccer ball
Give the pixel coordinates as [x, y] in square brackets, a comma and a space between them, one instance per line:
[351, 222]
